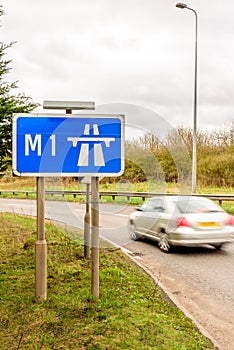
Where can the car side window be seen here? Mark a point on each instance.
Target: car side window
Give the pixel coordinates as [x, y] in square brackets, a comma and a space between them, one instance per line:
[155, 205]
[158, 206]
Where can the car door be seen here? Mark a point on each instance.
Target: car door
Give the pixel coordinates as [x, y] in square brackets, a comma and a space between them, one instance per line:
[151, 213]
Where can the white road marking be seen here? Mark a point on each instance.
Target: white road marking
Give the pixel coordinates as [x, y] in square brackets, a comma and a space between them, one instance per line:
[102, 213]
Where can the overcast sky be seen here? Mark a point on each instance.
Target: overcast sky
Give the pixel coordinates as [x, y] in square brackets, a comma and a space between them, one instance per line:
[126, 52]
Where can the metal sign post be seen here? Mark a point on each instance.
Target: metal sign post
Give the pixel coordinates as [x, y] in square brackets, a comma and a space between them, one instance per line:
[86, 180]
[87, 225]
[41, 245]
[95, 235]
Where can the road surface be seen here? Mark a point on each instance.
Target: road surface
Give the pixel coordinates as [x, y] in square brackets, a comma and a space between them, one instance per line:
[199, 280]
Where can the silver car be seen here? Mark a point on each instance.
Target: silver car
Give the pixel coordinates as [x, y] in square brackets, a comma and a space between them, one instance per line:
[181, 221]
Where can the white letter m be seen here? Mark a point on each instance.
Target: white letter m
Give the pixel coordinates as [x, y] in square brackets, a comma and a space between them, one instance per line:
[29, 143]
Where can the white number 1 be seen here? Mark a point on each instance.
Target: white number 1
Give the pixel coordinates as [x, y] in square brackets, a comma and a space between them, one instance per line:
[53, 147]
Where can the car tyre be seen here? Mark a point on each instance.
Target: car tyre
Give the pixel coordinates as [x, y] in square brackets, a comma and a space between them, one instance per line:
[132, 232]
[163, 243]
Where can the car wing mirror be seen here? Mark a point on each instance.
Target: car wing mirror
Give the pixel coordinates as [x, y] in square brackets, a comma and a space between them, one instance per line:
[139, 208]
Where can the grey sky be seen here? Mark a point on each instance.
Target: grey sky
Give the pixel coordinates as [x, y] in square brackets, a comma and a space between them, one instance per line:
[126, 52]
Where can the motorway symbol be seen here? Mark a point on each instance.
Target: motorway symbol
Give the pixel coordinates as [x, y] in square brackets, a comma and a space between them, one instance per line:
[58, 145]
[83, 159]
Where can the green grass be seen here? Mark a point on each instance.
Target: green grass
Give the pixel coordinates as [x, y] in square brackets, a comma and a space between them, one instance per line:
[29, 183]
[131, 313]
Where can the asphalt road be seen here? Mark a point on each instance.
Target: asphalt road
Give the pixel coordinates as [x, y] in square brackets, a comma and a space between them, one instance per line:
[199, 280]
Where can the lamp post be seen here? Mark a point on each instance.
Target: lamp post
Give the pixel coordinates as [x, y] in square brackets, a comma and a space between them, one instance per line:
[194, 157]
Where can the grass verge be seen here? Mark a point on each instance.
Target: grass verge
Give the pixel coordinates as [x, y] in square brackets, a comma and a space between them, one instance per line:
[131, 313]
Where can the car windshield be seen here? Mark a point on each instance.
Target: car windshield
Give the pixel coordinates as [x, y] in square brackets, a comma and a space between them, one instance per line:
[195, 205]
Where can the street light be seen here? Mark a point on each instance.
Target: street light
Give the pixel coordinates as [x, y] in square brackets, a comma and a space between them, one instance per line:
[194, 157]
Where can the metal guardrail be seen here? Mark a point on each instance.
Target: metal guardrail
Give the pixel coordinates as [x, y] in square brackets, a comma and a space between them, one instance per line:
[216, 197]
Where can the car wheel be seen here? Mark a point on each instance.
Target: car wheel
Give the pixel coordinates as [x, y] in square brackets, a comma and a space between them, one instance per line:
[132, 232]
[163, 243]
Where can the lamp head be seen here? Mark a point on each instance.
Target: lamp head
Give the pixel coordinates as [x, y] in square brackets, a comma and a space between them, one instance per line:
[181, 5]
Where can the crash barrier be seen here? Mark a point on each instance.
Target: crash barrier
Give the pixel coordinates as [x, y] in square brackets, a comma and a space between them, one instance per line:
[143, 195]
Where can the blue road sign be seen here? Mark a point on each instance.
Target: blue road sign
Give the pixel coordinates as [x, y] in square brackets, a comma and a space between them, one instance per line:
[58, 145]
